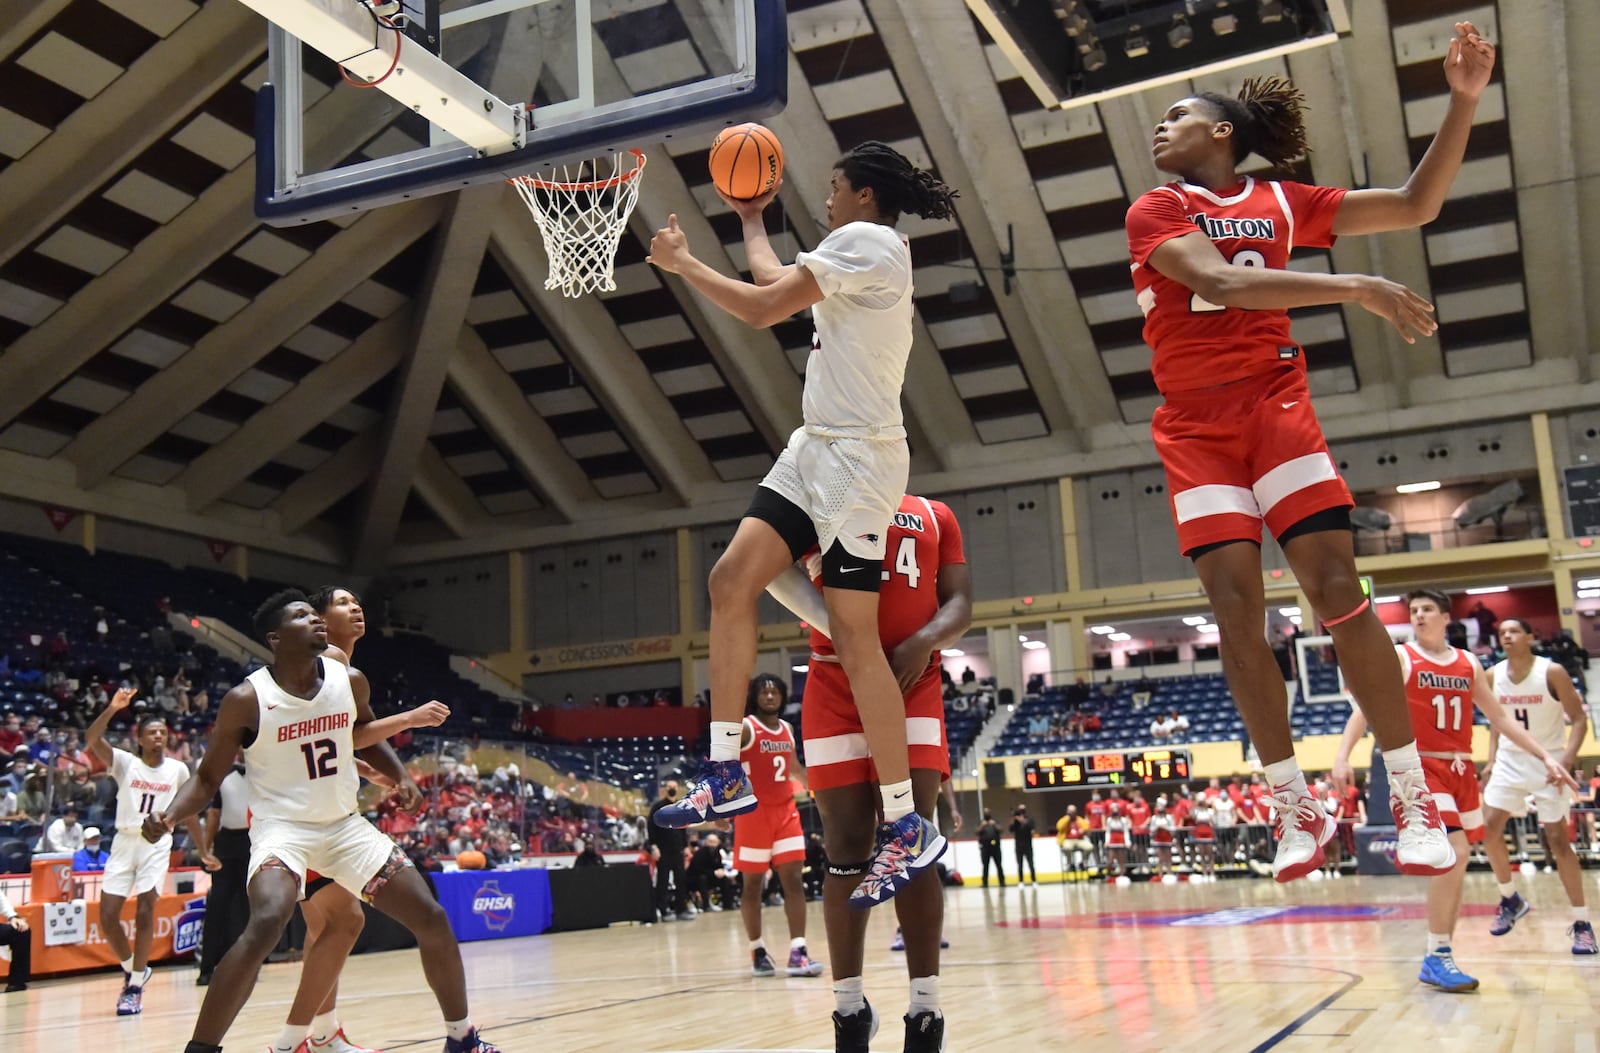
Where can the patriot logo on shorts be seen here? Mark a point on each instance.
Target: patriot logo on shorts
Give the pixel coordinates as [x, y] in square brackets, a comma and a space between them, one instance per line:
[871, 539]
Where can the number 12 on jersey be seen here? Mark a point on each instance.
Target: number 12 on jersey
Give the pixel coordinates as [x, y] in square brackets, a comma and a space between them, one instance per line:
[321, 756]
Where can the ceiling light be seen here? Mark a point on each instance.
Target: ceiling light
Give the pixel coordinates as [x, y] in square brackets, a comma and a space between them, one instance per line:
[1022, 639]
[1102, 630]
[1487, 589]
[1417, 488]
[1271, 11]
[1206, 628]
[1035, 645]
[1297, 620]
[1589, 583]
[1136, 44]
[1195, 619]
[1222, 25]
[954, 652]
[1386, 599]
[1119, 637]
[1288, 612]
[1589, 594]
[798, 668]
[1181, 35]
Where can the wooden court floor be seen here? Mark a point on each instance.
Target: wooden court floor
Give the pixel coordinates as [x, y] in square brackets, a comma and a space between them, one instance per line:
[1235, 965]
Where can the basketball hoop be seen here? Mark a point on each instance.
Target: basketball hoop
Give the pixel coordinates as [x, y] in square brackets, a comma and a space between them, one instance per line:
[582, 220]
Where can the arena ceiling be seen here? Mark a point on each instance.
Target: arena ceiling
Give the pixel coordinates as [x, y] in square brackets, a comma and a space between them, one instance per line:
[398, 386]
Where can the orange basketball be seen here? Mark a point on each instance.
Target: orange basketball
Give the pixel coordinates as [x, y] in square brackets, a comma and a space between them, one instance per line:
[746, 161]
[471, 859]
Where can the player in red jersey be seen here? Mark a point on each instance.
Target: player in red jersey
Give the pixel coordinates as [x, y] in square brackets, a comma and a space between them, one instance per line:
[1442, 685]
[770, 838]
[1236, 433]
[925, 604]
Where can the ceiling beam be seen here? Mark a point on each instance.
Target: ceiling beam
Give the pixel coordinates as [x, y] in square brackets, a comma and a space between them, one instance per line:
[506, 414]
[613, 370]
[23, 21]
[160, 265]
[1583, 104]
[1051, 337]
[329, 482]
[452, 271]
[312, 400]
[232, 348]
[451, 499]
[104, 134]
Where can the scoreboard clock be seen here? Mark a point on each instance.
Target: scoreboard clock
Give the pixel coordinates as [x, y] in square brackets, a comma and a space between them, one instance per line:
[1106, 768]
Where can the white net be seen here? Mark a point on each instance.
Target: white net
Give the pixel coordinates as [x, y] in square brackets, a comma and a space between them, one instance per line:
[582, 211]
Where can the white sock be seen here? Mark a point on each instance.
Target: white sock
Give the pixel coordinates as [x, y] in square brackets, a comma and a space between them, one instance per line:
[847, 996]
[1405, 758]
[896, 800]
[127, 965]
[1580, 913]
[924, 995]
[1285, 773]
[725, 739]
[798, 943]
[757, 944]
[458, 1029]
[324, 1026]
[291, 1036]
[1507, 888]
[1438, 942]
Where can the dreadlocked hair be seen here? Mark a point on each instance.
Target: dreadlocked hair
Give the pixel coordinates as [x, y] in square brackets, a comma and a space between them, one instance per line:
[1268, 118]
[897, 184]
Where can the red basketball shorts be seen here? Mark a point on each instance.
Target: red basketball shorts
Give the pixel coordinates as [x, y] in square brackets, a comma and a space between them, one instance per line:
[1454, 785]
[1243, 454]
[836, 748]
[767, 837]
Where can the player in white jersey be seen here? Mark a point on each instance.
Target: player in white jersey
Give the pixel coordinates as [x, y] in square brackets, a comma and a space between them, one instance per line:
[1540, 696]
[145, 783]
[301, 722]
[836, 485]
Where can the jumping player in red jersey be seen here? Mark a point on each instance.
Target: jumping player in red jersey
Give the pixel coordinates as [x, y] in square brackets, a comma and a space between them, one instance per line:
[770, 838]
[925, 605]
[1442, 685]
[1237, 435]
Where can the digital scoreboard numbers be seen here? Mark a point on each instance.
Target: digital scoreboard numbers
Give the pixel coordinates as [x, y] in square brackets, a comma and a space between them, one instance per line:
[1106, 768]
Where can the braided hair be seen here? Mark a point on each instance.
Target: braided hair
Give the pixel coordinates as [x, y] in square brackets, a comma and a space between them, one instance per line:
[897, 184]
[1268, 118]
[760, 683]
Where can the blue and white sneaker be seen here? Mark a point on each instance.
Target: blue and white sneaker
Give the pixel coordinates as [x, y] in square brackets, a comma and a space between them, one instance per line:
[473, 1043]
[1439, 969]
[131, 1001]
[1583, 942]
[1513, 908]
[905, 847]
[722, 792]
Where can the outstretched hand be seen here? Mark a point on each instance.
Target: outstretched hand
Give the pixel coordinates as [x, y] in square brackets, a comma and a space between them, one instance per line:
[669, 249]
[1400, 307]
[1469, 62]
[122, 698]
[748, 208]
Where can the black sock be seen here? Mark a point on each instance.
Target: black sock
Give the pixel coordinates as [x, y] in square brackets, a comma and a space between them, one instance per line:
[201, 1047]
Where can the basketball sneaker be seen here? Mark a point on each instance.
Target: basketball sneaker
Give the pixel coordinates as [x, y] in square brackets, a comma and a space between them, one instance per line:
[925, 1032]
[800, 964]
[853, 1033]
[905, 847]
[899, 942]
[1513, 908]
[761, 963]
[723, 791]
[1439, 969]
[1302, 829]
[131, 1002]
[337, 1043]
[1582, 934]
[1422, 846]
[473, 1043]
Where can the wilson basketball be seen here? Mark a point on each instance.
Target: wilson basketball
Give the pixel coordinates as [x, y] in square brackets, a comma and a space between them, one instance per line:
[471, 859]
[746, 161]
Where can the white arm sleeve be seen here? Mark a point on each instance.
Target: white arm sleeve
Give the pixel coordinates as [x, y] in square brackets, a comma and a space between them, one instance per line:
[797, 592]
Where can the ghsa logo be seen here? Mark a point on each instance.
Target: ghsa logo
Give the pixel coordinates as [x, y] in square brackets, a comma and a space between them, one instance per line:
[496, 907]
[1387, 847]
[189, 925]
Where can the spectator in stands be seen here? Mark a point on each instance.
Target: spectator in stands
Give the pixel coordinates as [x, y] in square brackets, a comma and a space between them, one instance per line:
[17, 779]
[1160, 729]
[968, 677]
[1108, 689]
[28, 675]
[63, 835]
[42, 749]
[590, 856]
[14, 934]
[1039, 725]
[1179, 726]
[72, 754]
[9, 812]
[709, 873]
[91, 858]
[32, 801]
[10, 737]
[1072, 838]
[59, 650]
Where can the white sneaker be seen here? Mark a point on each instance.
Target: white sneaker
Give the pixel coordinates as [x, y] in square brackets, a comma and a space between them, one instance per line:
[1302, 829]
[338, 1043]
[1423, 848]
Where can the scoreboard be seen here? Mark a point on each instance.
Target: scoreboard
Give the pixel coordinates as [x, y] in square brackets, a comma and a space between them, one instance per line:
[1107, 768]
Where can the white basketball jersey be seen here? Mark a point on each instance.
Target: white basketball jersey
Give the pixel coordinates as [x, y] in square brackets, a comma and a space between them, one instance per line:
[1533, 706]
[301, 766]
[142, 789]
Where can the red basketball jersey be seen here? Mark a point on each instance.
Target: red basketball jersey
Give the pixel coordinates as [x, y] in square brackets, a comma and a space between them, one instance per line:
[1096, 811]
[923, 537]
[1199, 344]
[1440, 696]
[769, 761]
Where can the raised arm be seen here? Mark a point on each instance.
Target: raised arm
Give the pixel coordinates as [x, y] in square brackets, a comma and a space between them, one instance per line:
[238, 716]
[765, 267]
[95, 737]
[427, 715]
[380, 754]
[1499, 720]
[1467, 66]
[761, 306]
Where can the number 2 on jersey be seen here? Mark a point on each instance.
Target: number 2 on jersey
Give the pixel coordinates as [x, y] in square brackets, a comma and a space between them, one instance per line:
[320, 757]
[780, 767]
[1440, 704]
[1244, 258]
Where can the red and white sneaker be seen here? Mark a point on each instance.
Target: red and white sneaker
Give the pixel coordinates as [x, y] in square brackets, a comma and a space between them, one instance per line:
[1423, 848]
[337, 1043]
[1302, 829]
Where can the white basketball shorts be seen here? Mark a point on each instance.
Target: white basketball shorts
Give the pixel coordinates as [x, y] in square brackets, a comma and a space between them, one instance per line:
[136, 866]
[1514, 779]
[850, 487]
[351, 851]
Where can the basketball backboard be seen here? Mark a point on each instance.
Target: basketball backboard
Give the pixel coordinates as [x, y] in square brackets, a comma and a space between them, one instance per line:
[555, 80]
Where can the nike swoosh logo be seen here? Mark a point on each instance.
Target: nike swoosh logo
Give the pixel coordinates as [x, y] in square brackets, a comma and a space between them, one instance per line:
[848, 570]
[273, 705]
[901, 794]
[1291, 405]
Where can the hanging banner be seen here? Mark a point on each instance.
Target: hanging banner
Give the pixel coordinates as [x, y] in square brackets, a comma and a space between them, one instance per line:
[59, 517]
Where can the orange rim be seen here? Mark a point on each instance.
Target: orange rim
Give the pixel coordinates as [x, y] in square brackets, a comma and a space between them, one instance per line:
[590, 185]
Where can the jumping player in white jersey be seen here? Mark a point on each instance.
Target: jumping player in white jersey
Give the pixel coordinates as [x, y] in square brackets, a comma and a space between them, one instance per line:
[1540, 696]
[145, 783]
[300, 722]
[837, 483]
